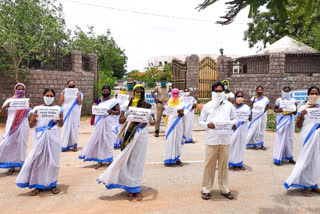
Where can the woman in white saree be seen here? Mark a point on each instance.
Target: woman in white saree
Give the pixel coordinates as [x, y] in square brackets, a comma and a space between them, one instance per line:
[100, 146]
[283, 147]
[238, 139]
[42, 166]
[306, 172]
[188, 118]
[71, 121]
[257, 126]
[126, 172]
[15, 137]
[174, 132]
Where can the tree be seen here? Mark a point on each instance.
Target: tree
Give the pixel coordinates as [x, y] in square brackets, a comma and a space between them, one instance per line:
[268, 27]
[30, 29]
[110, 56]
[137, 75]
[154, 74]
[235, 6]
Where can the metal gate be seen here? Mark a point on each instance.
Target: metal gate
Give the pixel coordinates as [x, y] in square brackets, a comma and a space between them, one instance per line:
[208, 74]
[179, 71]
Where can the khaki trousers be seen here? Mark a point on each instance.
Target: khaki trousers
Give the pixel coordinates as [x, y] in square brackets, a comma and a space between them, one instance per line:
[159, 115]
[213, 154]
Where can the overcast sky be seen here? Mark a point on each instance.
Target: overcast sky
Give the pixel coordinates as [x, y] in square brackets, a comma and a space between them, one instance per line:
[145, 36]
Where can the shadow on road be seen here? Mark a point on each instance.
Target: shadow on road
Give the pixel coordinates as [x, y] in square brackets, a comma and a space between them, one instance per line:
[149, 194]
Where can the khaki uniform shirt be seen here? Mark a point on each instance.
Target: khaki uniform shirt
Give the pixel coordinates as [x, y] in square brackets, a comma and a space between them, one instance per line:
[162, 93]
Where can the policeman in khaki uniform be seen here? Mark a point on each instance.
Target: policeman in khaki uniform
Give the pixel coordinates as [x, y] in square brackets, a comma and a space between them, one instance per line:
[163, 96]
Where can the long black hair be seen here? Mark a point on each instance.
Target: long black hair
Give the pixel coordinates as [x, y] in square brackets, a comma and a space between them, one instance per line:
[106, 87]
[238, 92]
[313, 87]
[46, 90]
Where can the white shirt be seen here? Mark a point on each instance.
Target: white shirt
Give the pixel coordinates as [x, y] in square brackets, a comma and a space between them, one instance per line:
[224, 112]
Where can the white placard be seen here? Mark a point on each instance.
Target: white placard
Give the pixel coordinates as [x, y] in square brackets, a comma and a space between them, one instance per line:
[288, 105]
[224, 127]
[71, 92]
[99, 110]
[314, 114]
[242, 116]
[259, 109]
[123, 100]
[140, 115]
[187, 100]
[169, 110]
[50, 112]
[20, 103]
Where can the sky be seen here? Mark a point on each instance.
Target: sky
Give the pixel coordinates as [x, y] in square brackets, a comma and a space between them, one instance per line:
[144, 36]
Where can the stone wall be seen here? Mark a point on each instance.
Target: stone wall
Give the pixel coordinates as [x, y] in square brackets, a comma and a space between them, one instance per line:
[192, 74]
[273, 81]
[41, 79]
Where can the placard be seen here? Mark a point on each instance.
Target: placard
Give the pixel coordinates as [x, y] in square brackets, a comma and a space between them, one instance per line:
[314, 114]
[99, 110]
[188, 100]
[50, 112]
[224, 127]
[288, 105]
[71, 92]
[20, 103]
[242, 116]
[140, 115]
[169, 110]
[123, 100]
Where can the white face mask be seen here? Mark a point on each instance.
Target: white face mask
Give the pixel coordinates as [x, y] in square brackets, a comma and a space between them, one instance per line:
[286, 95]
[239, 100]
[186, 93]
[218, 97]
[313, 99]
[48, 100]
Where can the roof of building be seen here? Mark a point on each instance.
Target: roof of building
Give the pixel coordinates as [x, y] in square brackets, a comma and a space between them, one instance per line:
[287, 45]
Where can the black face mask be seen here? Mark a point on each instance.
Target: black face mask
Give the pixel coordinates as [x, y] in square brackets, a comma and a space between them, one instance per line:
[259, 93]
[72, 86]
[106, 95]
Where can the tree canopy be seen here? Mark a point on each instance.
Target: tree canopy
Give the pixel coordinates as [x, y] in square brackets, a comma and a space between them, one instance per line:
[235, 6]
[268, 27]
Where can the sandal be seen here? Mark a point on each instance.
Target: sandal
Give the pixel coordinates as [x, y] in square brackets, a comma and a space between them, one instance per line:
[306, 192]
[168, 164]
[316, 190]
[263, 148]
[292, 161]
[130, 196]
[34, 192]
[179, 163]
[206, 196]
[242, 168]
[255, 147]
[98, 165]
[55, 190]
[228, 195]
[11, 171]
[138, 196]
[75, 149]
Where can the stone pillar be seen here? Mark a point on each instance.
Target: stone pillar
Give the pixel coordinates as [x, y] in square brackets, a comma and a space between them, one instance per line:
[277, 63]
[224, 67]
[76, 61]
[192, 75]
[93, 68]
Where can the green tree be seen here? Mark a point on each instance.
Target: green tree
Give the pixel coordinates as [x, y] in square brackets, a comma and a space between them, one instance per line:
[110, 56]
[235, 6]
[30, 29]
[154, 74]
[268, 27]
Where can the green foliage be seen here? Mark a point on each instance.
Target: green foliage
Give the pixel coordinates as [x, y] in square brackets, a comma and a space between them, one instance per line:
[30, 29]
[235, 6]
[302, 25]
[106, 78]
[110, 56]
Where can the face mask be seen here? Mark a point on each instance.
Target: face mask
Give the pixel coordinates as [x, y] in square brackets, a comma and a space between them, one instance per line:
[313, 99]
[218, 97]
[123, 92]
[239, 100]
[175, 95]
[259, 93]
[186, 93]
[137, 95]
[105, 95]
[163, 83]
[130, 87]
[20, 93]
[286, 95]
[72, 86]
[225, 87]
[48, 100]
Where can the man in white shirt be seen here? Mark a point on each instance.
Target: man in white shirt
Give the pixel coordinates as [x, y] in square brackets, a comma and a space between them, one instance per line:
[215, 112]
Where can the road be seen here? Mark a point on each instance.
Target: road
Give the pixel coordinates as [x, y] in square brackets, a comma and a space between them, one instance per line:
[259, 189]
